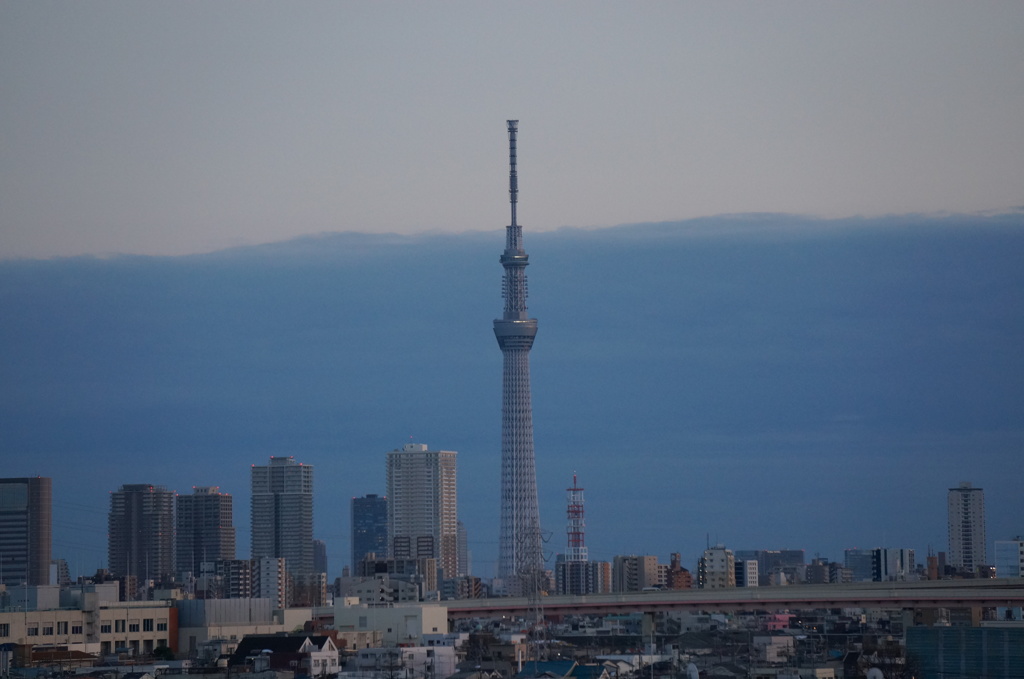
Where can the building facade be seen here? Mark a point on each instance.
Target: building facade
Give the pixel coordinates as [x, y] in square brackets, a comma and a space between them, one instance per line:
[282, 513]
[1010, 558]
[205, 529]
[422, 506]
[632, 573]
[967, 542]
[26, 529]
[716, 568]
[892, 564]
[369, 527]
[141, 533]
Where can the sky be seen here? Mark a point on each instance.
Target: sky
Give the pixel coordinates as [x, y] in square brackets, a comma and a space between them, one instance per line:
[775, 257]
[186, 127]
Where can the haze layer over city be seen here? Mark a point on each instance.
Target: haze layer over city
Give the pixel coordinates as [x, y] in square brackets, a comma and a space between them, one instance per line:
[775, 257]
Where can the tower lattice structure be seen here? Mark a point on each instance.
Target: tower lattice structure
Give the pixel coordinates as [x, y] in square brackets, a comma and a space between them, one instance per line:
[520, 556]
[577, 548]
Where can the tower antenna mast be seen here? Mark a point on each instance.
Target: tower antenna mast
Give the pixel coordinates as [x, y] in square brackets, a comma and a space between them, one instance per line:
[520, 555]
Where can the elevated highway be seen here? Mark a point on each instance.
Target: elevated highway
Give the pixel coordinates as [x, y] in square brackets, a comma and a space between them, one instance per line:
[928, 594]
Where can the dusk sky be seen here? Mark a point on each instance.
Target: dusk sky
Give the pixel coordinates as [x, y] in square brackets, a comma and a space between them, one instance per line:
[787, 314]
[184, 127]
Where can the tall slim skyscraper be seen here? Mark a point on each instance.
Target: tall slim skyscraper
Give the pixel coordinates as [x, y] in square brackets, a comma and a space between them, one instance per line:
[520, 559]
[282, 513]
[369, 528]
[25, 531]
[141, 532]
[967, 542]
[205, 528]
[422, 506]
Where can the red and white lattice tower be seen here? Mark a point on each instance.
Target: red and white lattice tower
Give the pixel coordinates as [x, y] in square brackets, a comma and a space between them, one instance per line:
[577, 550]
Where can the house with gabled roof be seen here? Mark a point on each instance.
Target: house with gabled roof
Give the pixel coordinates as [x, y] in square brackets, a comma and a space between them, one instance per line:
[313, 655]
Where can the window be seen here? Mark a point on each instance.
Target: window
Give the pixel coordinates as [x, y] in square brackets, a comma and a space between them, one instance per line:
[120, 625]
[32, 631]
[162, 627]
[62, 627]
[147, 625]
[133, 627]
[76, 629]
[105, 628]
[5, 629]
[48, 630]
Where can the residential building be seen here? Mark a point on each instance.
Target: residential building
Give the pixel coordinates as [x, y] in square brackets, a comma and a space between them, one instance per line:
[26, 527]
[282, 512]
[966, 513]
[634, 573]
[677, 577]
[205, 528]
[716, 568]
[270, 580]
[141, 533]
[422, 506]
[369, 527]
[746, 573]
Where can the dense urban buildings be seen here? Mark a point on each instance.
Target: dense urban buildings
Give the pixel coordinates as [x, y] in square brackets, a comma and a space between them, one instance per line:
[141, 533]
[967, 542]
[520, 558]
[1009, 558]
[422, 506]
[25, 530]
[205, 529]
[369, 517]
[282, 513]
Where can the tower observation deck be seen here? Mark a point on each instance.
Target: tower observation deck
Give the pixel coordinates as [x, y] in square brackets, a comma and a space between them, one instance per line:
[520, 558]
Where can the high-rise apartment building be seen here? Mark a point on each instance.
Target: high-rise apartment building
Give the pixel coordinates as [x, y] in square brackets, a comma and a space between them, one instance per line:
[422, 509]
[967, 542]
[520, 556]
[140, 530]
[26, 526]
[205, 528]
[369, 528]
[282, 513]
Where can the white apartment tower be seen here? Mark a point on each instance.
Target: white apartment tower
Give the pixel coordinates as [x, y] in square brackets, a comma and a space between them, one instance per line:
[967, 527]
[282, 513]
[717, 568]
[423, 518]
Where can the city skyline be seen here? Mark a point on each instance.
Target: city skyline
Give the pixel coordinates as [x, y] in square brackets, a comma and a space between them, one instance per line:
[906, 382]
